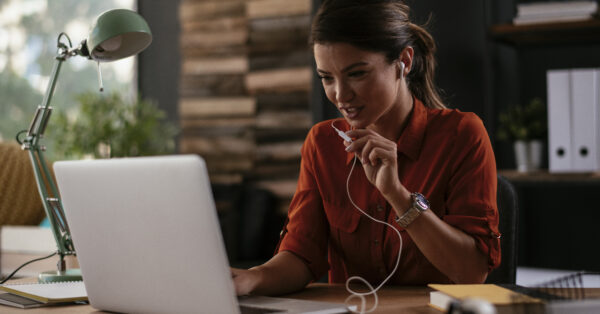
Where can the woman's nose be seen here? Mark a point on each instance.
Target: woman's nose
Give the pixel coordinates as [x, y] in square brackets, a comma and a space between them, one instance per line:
[343, 93]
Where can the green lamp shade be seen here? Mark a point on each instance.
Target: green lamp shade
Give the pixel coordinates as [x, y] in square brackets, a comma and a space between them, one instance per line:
[118, 34]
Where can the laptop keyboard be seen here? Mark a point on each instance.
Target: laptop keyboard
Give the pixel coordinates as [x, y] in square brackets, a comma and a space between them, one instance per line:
[256, 310]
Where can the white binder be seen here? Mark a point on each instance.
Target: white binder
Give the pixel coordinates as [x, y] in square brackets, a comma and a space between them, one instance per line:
[584, 120]
[559, 120]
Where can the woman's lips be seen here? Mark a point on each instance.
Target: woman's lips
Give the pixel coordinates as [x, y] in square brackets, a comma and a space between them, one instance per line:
[351, 112]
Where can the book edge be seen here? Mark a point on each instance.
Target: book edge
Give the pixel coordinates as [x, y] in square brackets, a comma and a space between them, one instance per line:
[447, 290]
[24, 294]
[7, 302]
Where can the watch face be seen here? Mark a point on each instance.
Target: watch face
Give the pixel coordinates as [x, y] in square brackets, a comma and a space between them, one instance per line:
[421, 201]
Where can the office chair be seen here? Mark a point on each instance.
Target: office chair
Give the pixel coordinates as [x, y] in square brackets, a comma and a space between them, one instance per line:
[20, 202]
[508, 212]
[250, 223]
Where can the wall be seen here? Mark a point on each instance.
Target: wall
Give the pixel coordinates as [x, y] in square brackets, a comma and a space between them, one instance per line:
[158, 65]
[244, 89]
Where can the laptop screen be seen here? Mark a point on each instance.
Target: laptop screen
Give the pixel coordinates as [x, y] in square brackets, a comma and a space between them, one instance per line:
[146, 234]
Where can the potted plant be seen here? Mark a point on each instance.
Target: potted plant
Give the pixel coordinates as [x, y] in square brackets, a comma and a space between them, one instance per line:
[105, 126]
[526, 127]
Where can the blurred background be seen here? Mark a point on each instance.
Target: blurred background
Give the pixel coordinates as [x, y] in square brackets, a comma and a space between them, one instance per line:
[234, 81]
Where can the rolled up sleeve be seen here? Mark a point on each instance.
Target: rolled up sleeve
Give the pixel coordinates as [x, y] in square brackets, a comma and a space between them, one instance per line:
[471, 198]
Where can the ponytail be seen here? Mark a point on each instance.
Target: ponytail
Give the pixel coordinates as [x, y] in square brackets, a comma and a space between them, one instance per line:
[421, 76]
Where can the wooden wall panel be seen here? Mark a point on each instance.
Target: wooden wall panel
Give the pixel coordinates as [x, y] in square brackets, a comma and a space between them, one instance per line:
[244, 89]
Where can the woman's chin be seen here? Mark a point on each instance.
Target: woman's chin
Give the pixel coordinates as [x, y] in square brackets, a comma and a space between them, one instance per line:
[356, 124]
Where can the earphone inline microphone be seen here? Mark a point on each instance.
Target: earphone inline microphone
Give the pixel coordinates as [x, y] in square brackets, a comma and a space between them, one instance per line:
[341, 134]
[373, 291]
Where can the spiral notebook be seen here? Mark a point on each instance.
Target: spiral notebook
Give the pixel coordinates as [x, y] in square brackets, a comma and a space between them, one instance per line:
[37, 294]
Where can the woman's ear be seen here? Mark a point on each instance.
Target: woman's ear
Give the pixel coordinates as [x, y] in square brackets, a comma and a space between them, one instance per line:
[406, 58]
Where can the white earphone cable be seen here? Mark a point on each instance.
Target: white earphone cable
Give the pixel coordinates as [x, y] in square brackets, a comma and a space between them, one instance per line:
[361, 295]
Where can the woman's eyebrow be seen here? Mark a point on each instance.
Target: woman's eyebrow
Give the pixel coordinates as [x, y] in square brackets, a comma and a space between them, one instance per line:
[346, 69]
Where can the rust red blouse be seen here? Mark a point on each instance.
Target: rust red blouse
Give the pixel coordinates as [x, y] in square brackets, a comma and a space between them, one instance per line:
[444, 154]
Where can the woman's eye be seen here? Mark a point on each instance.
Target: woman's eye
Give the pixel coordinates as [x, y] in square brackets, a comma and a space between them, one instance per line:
[357, 73]
[325, 78]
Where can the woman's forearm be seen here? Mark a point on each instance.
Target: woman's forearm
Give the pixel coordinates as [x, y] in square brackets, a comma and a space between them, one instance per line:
[283, 273]
[449, 249]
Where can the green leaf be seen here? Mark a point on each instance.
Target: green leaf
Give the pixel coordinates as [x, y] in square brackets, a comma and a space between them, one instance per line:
[525, 123]
[129, 129]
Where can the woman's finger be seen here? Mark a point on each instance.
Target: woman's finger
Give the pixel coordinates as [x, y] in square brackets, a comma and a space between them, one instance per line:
[382, 143]
[380, 154]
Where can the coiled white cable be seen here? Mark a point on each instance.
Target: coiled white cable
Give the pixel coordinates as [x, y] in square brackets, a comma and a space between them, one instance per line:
[361, 295]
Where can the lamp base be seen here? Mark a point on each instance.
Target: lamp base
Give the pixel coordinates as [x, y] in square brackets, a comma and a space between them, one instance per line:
[73, 274]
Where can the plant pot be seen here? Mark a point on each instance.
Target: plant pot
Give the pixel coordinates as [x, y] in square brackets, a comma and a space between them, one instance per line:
[535, 152]
[528, 155]
[521, 158]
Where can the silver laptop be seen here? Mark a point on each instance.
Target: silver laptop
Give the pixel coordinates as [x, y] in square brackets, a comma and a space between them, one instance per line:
[148, 239]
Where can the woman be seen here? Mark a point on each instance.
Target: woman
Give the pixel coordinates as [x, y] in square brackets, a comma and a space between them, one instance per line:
[426, 170]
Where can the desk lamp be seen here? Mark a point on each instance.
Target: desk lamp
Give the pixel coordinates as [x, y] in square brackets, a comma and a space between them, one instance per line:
[116, 34]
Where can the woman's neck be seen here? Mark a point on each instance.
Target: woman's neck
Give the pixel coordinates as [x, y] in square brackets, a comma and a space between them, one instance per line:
[392, 123]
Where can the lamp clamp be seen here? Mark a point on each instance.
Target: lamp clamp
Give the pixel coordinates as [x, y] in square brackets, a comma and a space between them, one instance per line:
[83, 50]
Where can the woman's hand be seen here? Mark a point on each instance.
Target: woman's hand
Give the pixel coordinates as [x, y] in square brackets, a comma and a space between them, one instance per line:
[283, 273]
[244, 280]
[379, 158]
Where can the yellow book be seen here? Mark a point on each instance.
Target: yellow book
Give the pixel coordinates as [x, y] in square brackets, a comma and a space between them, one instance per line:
[505, 300]
[56, 292]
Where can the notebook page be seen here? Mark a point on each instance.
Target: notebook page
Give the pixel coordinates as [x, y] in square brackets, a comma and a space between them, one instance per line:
[49, 292]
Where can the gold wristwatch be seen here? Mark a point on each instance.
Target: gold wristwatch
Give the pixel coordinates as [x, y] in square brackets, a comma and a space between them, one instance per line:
[419, 205]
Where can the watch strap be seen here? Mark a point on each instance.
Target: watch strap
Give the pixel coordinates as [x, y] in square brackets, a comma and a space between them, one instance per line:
[409, 216]
[414, 211]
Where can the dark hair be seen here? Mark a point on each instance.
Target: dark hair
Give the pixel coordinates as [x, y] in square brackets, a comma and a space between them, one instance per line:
[385, 27]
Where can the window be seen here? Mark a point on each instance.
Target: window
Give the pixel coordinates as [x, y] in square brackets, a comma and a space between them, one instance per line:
[28, 34]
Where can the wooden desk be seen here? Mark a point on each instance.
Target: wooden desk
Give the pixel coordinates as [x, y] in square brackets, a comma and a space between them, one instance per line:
[391, 300]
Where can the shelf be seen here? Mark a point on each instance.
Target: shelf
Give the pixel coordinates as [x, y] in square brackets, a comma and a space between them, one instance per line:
[543, 176]
[583, 32]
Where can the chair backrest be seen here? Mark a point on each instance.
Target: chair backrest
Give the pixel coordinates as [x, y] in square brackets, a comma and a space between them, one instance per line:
[20, 202]
[508, 212]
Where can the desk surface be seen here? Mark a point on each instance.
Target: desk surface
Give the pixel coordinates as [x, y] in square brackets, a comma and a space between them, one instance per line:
[391, 300]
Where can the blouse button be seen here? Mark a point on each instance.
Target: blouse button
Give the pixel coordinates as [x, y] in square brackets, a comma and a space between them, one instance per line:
[379, 208]
[376, 242]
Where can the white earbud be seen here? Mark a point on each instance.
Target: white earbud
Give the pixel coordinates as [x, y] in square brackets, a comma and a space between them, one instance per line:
[402, 65]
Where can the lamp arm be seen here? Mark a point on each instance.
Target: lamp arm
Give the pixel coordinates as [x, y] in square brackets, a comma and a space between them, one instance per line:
[52, 204]
[51, 201]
